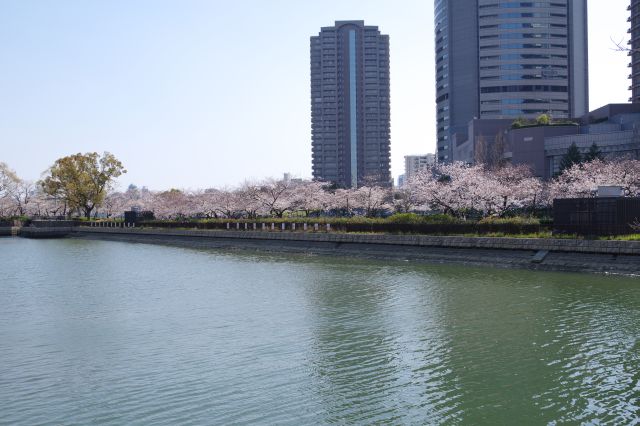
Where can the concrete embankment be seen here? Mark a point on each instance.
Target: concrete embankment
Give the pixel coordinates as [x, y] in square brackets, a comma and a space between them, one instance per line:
[41, 229]
[48, 232]
[621, 257]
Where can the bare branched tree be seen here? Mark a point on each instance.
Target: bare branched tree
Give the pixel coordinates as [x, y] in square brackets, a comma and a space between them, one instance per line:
[621, 46]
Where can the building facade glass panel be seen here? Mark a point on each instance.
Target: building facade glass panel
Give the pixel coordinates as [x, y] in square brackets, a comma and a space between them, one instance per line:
[521, 51]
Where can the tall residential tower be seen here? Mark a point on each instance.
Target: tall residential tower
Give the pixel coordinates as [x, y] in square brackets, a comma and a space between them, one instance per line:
[350, 109]
[508, 59]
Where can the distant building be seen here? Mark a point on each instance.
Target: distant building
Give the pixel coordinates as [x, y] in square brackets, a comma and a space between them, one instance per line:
[498, 59]
[634, 53]
[415, 163]
[614, 128]
[401, 181]
[350, 109]
[287, 178]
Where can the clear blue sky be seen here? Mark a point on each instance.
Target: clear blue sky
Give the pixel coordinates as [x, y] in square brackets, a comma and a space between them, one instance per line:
[195, 94]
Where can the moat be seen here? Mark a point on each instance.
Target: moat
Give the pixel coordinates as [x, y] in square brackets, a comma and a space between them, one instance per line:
[103, 332]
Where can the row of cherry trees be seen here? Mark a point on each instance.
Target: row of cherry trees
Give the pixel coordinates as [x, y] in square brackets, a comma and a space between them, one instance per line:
[455, 189]
[274, 198]
[19, 197]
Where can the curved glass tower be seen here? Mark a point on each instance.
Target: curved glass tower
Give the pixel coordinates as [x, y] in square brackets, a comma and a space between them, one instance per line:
[508, 59]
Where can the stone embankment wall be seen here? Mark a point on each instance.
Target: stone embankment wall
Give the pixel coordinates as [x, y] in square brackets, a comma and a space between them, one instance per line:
[621, 257]
[47, 232]
[536, 244]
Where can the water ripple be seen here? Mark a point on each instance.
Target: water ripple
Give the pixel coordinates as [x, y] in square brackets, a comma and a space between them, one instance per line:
[115, 333]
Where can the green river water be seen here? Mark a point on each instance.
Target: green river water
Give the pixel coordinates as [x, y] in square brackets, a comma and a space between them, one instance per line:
[96, 332]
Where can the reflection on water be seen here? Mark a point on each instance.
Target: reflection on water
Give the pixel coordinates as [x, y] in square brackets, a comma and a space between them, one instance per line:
[113, 333]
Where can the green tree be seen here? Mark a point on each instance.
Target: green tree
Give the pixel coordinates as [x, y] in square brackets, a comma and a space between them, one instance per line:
[82, 180]
[594, 153]
[571, 158]
[518, 123]
[543, 120]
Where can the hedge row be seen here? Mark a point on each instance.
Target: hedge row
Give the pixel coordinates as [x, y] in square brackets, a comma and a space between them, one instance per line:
[401, 218]
[460, 228]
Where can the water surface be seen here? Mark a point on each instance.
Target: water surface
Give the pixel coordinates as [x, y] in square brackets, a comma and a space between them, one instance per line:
[95, 332]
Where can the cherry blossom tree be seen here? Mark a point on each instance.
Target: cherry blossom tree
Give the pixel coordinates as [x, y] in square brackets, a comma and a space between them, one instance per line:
[115, 204]
[204, 202]
[450, 188]
[6, 207]
[372, 199]
[511, 188]
[228, 203]
[458, 188]
[15, 194]
[44, 205]
[276, 196]
[344, 200]
[8, 180]
[249, 202]
[582, 180]
[311, 196]
[406, 199]
[22, 193]
[172, 204]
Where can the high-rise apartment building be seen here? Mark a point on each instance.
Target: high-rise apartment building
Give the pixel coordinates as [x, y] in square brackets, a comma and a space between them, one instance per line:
[414, 163]
[634, 52]
[508, 59]
[350, 107]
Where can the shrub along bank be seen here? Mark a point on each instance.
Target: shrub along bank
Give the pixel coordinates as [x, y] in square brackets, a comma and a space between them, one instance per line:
[397, 224]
